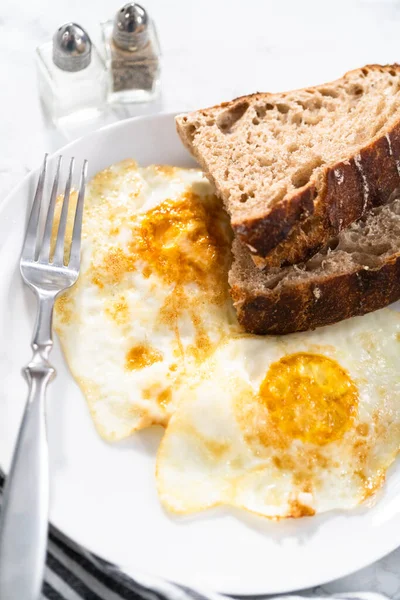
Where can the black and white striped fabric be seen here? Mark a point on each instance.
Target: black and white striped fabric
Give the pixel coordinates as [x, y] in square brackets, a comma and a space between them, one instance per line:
[72, 573]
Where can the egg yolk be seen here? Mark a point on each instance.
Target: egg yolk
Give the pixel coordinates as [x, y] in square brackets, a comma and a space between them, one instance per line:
[309, 397]
[185, 241]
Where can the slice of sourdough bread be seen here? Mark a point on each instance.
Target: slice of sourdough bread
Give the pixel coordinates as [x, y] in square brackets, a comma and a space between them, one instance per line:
[357, 273]
[294, 169]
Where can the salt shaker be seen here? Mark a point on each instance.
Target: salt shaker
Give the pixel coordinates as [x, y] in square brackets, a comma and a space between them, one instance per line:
[72, 76]
[132, 55]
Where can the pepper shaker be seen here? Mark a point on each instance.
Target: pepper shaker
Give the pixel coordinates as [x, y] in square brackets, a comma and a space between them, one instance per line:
[132, 55]
[72, 76]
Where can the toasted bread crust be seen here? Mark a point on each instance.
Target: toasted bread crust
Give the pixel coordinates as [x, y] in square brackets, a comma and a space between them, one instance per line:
[311, 305]
[352, 187]
[293, 230]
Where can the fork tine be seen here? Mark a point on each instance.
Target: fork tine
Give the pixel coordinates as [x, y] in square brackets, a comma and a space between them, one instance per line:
[59, 251]
[74, 259]
[44, 254]
[30, 243]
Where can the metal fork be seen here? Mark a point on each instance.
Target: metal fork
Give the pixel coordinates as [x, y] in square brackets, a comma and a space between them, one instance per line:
[24, 519]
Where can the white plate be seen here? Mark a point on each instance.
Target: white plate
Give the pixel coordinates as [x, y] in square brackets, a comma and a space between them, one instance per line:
[103, 496]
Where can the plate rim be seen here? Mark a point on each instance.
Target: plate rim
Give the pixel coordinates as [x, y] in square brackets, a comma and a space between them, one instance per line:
[242, 591]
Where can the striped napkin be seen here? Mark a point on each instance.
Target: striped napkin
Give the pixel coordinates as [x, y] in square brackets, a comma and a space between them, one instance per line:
[73, 573]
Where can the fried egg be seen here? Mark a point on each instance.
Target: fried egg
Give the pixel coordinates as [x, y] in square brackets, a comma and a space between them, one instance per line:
[152, 300]
[289, 426]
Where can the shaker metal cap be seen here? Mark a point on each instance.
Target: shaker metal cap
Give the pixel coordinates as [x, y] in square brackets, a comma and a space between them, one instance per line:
[130, 30]
[72, 47]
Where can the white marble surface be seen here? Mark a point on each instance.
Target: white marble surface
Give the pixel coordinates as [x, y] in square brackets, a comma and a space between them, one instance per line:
[213, 50]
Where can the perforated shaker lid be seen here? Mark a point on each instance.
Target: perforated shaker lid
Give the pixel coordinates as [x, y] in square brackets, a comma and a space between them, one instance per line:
[72, 47]
[131, 24]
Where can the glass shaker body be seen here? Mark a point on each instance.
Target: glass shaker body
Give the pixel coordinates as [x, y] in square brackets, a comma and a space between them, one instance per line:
[71, 97]
[134, 75]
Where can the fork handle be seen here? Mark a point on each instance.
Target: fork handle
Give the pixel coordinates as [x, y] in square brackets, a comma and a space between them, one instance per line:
[24, 517]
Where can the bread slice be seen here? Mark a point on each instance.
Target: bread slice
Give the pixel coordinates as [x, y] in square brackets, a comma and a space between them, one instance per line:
[294, 169]
[357, 273]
